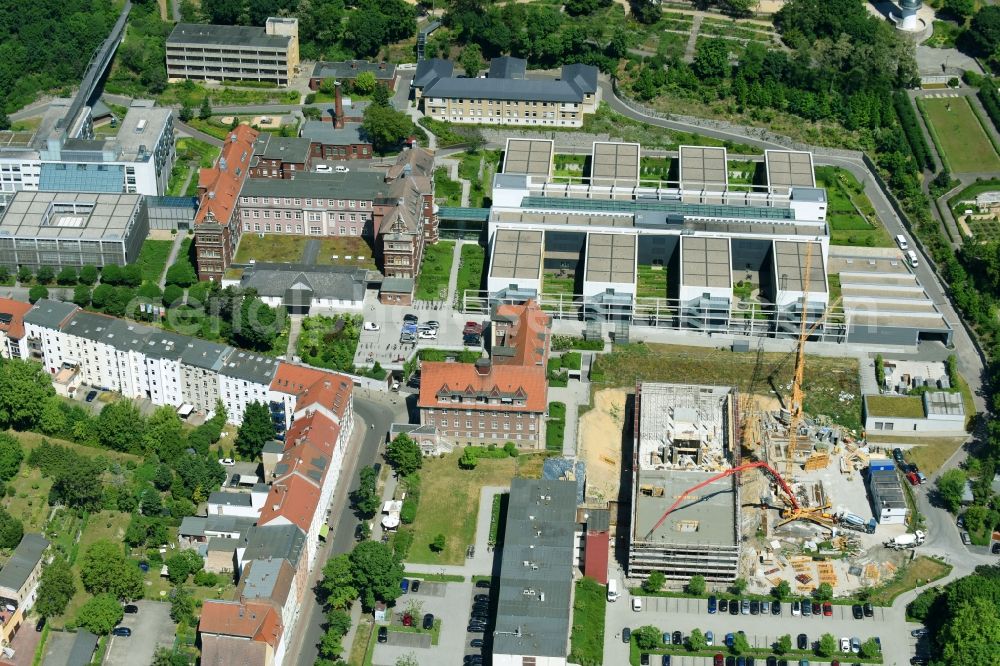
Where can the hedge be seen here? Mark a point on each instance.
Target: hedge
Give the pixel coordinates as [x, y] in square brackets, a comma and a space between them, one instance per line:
[911, 128]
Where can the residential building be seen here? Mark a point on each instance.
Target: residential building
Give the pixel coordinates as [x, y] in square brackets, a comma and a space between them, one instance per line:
[137, 160]
[886, 489]
[271, 581]
[234, 52]
[255, 622]
[60, 229]
[428, 71]
[413, 222]
[12, 327]
[197, 530]
[216, 226]
[347, 72]
[237, 505]
[482, 403]
[508, 97]
[279, 156]
[300, 287]
[19, 579]
[536, 578]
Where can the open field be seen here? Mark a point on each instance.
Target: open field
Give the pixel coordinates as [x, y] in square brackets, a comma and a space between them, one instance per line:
[432, 284]
[852, 217]
[920, 572]
[342, 248]
[959, 135]
[928, 453]
[831, 384]
[153, 258]
[449, 502]
[273, 248]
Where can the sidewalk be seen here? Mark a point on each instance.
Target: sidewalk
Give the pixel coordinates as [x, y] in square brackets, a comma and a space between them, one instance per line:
[574, 395]
[453, 277]
[174, 249]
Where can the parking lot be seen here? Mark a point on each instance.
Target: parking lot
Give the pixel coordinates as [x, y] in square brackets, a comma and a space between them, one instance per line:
[450, 603]
[151, 627]
[762, 631]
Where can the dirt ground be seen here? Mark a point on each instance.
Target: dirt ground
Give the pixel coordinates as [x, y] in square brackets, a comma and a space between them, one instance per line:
[600, 443]
[275, 121]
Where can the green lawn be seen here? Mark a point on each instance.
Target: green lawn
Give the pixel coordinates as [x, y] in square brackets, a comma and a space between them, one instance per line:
[904, 406]
[153, 258]
[446, 188]
[108, 525]
[470, 270]
[435, 270]
[201, 153]
[652, 282]
[587, 635]
[919, 572]
[553, 285]
[341, 248]
[959, 135]
[271, 248]
[852, 217]
[944, 35]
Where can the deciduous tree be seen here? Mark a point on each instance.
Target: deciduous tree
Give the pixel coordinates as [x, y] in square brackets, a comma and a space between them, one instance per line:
[121, 426]
[257, 428]
[100, 614]
[338, 583]
[377, 572]
[24, 388]
[104, 568]
[696, 585]
[951, 486]
[654, 581]
[827, 645]
[11, 456]
[404, 455]
[56, 588]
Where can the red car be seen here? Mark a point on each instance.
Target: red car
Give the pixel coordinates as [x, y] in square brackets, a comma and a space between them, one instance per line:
[914, 481]
[407, 620]
[718, 661]
[828, 609]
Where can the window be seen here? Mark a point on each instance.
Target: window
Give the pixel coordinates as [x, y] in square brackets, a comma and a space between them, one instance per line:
[343, 231]
[267, 214]
[468, 423]
[256, 213]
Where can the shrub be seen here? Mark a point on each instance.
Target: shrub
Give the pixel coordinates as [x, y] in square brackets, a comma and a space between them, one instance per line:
[409, 511]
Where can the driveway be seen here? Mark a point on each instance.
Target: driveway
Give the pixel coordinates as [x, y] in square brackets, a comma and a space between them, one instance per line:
[151, 627]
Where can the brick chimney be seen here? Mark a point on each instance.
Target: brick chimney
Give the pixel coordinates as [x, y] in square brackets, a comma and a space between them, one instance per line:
[338, 107]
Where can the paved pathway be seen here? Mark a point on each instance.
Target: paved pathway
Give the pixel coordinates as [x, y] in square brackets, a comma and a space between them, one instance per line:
[187, 130]
[172, 257]
[293, 335]
[574, 395]
[456, 259]
[310, 252]
[693, 38]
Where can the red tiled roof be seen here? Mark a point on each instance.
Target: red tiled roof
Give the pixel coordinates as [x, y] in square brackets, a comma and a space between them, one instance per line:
[524, 382]
[313, 387]
[226, 650]
[595, 561]
[305, 458]
[317, 429]
[528, 335]
[295, 499]
[222, 186]
[16, 310]
[255, 620]
[295, 379]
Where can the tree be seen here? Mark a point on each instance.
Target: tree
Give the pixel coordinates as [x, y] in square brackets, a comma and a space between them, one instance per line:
[121, 426]
[870, 648]
[365, 499]
[437, 545]
[654, 582]
[100, 614]
[330, 645]
[696, 585]
[186, 113]
[381, 96]
[824, 592]
[11, 456]
[172, 295]
[581, 7]
[257, 326]
[67, 276]
[338, 621]
[104, 568]
[132, 275]
[24, 389]
[167, 657]
[471, 60]
[256, 429]
[88, 275]
[182, 606]
[647, 637]
[81, 295]
[711, 58]
[338, 584]
[11, 530]
[164, 434]
[781, 590]
[740, 643]
[37, 292]
[78, 485]
[56, 588]
[182, 565]
[469, 459]
[951, 487]
[784, 644]
[826, 646]
[377, 572]
[45, 275]
[205, 112]
[24, 275]
[53, 420]
[112, 274]
[404, 455]
[386, 127]
[739, 586]
[696, 641]
[365, 82]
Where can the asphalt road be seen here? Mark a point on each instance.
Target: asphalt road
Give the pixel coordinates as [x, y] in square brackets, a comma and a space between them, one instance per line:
[376, 417]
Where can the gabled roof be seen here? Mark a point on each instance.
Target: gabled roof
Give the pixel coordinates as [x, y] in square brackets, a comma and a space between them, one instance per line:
[293, 499]
[223, 180]
[267, 580]
[274, 541]
[257, 621]
[414, 161]
[227, 650]
[527, 383]
[12, 317]
[23, 561]
[332, 393]
[527, 338]
[295, 379]
[316, 429]
[508, 67]
[305, 459]
[431, 70]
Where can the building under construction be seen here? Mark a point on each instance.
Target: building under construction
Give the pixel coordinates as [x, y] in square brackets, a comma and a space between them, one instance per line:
[684, 435]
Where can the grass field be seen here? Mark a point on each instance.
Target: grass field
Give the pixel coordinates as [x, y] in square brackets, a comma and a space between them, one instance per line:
[153, 258]
[290, 249]
[852, 217]
[587, 635]
[432, 284]
[928, 453]
[108, 525]
[470, 270]
[920, 572]
[652, 283]
[446, 188]
[958, 134]
[449, 502]
[903, 406]
[831, 384]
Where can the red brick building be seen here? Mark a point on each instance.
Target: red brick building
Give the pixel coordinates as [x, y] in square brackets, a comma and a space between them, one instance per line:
[346, 72]
[279, 157]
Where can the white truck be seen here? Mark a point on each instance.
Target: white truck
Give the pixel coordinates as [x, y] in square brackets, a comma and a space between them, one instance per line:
[613, 589]
[906, 540]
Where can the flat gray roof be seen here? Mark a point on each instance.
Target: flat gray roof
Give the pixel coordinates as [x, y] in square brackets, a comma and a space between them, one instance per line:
[611, 258]
[943, 403]
[517, 254]
[707, 516]
[317, 131]
[528, 156]
[790, 259]
[350, 69]
[614, 163]
[285, 148]
[885, 484]
[706, 262]
[49, 314]
[69, 215]
[250, 367]
[248, 36]
[786, 168]
[536, 579]
[134, 133]
[565, 219]
[703, 167]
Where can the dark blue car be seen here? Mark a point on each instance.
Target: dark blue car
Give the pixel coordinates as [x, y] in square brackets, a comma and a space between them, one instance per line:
[404, 585]
[712, 605]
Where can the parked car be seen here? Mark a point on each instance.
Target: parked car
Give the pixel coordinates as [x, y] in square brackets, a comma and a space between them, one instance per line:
[407, 620]
[644, 659]
[40, 624]
[912, 478]
[341, 169]
[802, 642]
[869, 610]
[637, 604]
[427, 334]
[921, 478]
[626, 635]
[432, 324]
[677, 638]
[723, 606]
[718, 659]
[796, 607]
[428, 622]
[730, 637]
[323, 168]
[745, 607]
[404, 585]
[765, 607]
[734, 607]
[806, 609]
[845, 644]
[383, 634]
[709, 638]
[370, 326]
[996, 548]
[665, 661]
[483, 584]
[855, 644]
[122, 631]
[817, 609]
[897, 455]
[857, 612]
[476, 643]
[712, 605]
[917, 633]
[775, 608]
[827, 609]
[91, 395]
[755, 607]
[131, 609]
[410, 318]
[414, 585]
[966, 539]
[481, 597]
[227, 462]
[476, 629]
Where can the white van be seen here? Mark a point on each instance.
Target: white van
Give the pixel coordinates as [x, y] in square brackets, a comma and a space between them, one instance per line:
[637, 604]
[613, 589]
[901, 242]
[911, 257]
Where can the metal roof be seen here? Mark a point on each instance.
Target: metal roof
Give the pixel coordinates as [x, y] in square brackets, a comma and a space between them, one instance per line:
[786, 168]
[318, 131]
[250, 367]
[507, 67]
[284, 148]
[790, 266]
[49, 314]
[274, 541]
[350, 69]
[248, 36]
[706, 262]
[431, 70]
[614, 163]
[319, 281]
[536, 579]
[528, 156]
[70, 215]
[517, 254]
[703, 167]
[523, 90]
[663, 205]
[359, 185]
[943, 403]
[610, 258]
[23, 561]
